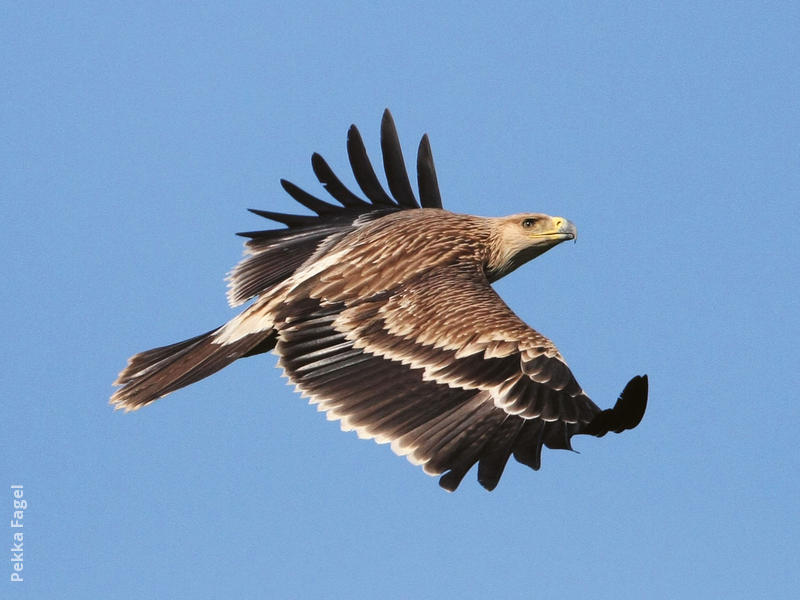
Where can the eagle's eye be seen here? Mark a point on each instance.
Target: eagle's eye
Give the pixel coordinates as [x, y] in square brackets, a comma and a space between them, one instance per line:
[528, 223]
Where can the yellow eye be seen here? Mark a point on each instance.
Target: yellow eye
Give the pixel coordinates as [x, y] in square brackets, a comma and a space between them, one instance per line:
[528, 223]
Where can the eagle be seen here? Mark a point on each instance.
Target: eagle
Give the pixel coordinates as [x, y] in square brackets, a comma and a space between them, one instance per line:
[381, 311]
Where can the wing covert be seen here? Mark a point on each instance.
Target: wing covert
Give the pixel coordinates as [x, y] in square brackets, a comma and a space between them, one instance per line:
[453, 326]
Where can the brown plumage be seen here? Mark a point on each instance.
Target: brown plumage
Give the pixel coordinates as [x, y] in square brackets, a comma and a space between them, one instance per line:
[382, 313]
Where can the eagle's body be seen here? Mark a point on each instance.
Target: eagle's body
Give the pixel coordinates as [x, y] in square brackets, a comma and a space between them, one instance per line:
[383, 314]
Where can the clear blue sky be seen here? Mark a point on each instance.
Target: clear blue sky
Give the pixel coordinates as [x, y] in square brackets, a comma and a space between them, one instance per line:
[134, 136]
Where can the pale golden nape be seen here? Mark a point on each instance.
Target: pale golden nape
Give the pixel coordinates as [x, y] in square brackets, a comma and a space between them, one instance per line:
[381, 312]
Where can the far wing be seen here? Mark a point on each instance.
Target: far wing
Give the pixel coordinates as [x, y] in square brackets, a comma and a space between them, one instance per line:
[274, 254]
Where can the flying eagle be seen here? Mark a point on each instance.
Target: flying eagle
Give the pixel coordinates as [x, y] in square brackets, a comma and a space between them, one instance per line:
[381, 311]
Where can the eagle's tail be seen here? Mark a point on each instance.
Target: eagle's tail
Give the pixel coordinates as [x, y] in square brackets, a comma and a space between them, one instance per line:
[157, 372]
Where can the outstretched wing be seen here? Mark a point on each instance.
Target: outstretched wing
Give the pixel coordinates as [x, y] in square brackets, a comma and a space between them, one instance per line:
[443, 370]
[275, 254]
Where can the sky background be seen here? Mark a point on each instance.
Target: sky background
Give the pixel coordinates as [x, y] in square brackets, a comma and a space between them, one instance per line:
[134, 136]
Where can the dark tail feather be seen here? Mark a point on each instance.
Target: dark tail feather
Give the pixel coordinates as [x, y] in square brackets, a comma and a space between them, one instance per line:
[627, 412]
[157, 372]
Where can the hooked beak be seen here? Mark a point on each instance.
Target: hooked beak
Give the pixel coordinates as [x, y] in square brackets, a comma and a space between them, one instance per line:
[566, 228]
[561, 230]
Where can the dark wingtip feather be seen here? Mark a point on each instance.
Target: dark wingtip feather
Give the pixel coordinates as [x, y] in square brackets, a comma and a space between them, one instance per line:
[451, 480]
[498, 450]
[429, 195]
[286, 219]
[333, 185]
[627, 412]
[377, 196]
[393, 163]
[528, 448]
[310, 202]
[363, 171]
